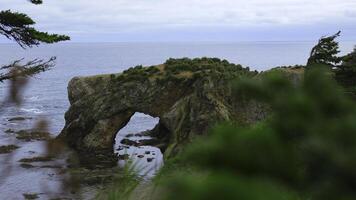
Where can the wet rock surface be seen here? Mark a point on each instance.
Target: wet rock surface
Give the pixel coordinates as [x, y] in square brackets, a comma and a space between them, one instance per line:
[8, 149]
[30, 196]
[19, 119]
[36, 159]
[26, 166]
[94, 176]
[30, 135]
[129, 142]
[9, 131]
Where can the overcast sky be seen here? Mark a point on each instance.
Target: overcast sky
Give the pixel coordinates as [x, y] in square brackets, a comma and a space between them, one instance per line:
[192, 20]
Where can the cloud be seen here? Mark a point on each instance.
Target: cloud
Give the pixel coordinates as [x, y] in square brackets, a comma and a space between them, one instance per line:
[131, 16]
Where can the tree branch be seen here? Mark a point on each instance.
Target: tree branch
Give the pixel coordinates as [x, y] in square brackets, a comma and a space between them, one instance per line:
[29, 69]
[18, 27]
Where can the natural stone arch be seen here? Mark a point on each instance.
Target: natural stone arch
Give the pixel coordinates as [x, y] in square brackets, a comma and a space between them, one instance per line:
[102, 105]
[188, 101]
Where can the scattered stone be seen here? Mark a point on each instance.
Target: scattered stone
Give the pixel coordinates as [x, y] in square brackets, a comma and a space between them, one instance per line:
[36, 159]
[9, 131]
[18, 119]
[124, 157]
[26, 165]
[129, 142]
[141, 134]
[140, 156]
[8, 148]
[150, 159]
[147, 152]
[130, 135]
[120, 148]
[30, 196]
[29, 135]
[148, 142]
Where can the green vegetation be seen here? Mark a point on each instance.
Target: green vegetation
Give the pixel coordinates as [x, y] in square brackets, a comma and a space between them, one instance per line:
[125, 182]
[201, 64]
[184, 69]
[343, 67]
[325, 52]
[305, 150]
[19, 27]
[349, 62]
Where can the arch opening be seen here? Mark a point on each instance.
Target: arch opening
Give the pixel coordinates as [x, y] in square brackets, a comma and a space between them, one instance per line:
[135, 142]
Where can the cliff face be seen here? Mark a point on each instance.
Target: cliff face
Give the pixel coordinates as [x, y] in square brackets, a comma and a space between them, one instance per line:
[189, 97]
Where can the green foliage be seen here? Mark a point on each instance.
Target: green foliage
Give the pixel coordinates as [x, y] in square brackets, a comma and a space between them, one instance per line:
[18, 27]
[325, 52]
[349, 61]
[139, 70]
[124, 183]
[213, 65]
[223, 186]
[305, 150]
[152, 70]
[344, 67]
[185, 69]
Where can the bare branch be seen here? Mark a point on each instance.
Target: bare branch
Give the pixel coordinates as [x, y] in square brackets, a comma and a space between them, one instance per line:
[31, 68]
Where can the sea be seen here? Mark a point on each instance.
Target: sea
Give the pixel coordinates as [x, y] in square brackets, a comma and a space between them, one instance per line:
[45, 97]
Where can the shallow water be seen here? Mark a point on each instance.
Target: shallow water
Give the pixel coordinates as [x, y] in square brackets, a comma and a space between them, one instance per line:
[46, 97]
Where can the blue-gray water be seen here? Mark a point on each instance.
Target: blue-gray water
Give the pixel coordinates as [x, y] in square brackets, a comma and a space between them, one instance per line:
[46, 95]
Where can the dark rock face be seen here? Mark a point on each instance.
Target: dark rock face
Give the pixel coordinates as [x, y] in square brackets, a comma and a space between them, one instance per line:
[189, 97]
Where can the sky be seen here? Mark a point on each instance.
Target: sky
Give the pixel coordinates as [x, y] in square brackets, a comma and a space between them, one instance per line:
[191, 20]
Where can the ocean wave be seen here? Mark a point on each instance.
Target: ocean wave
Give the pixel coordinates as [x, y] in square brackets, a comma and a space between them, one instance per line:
[32, 110]
[32, 98]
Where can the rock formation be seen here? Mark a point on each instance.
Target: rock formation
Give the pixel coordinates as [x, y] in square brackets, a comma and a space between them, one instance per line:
[189, 97]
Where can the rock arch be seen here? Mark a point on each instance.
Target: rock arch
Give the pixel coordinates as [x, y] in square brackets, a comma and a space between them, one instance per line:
[187, 100]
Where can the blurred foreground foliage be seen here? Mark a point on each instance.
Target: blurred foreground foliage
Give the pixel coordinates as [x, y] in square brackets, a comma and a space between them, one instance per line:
[306, 149]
